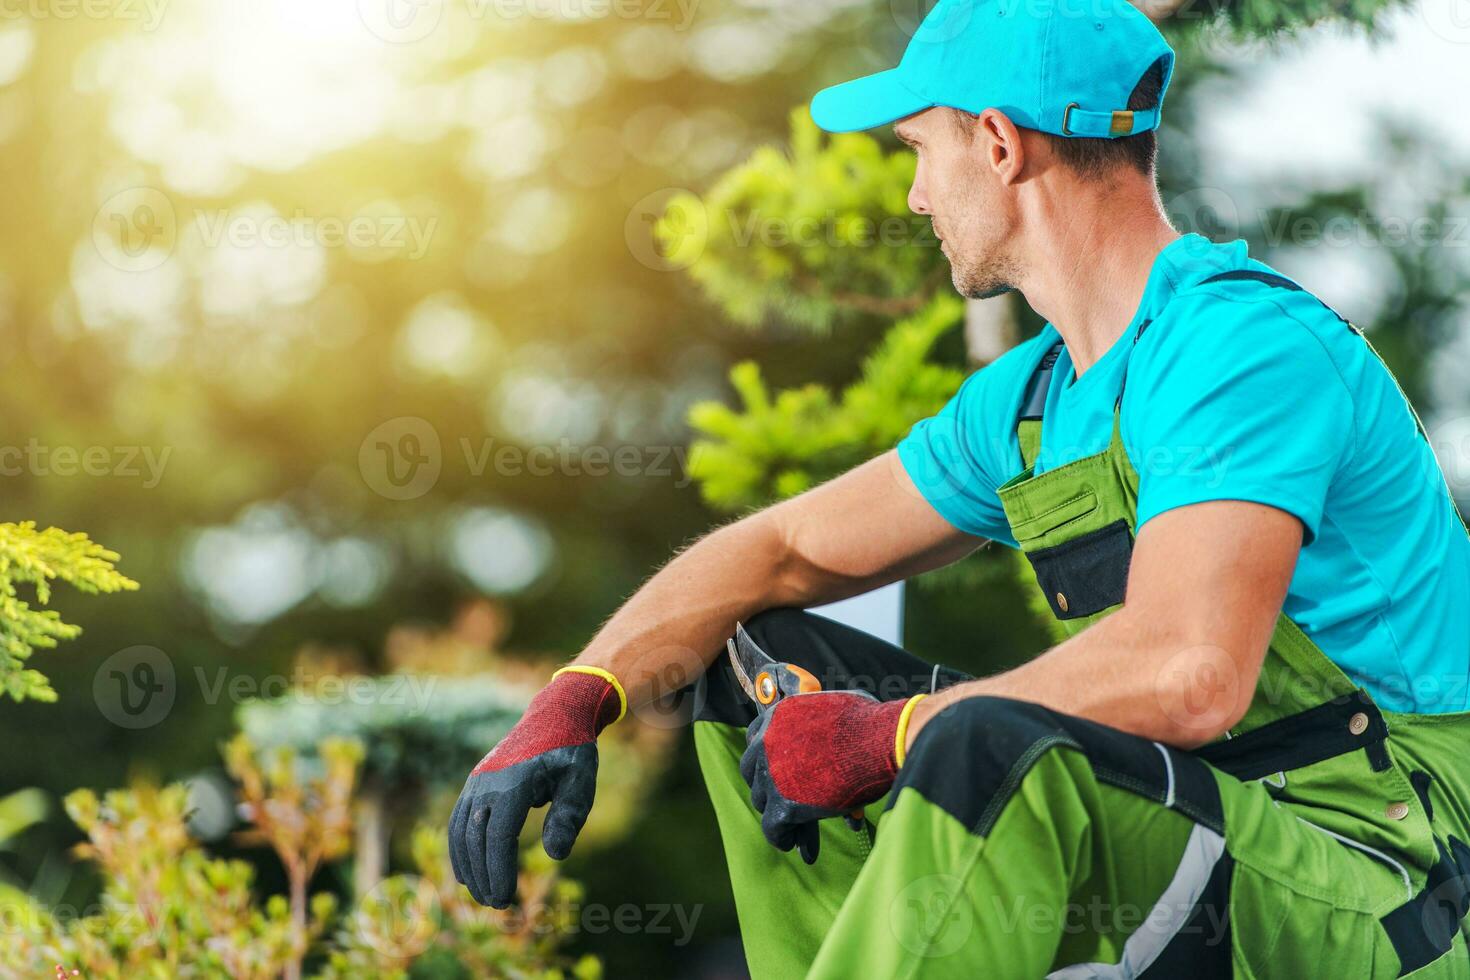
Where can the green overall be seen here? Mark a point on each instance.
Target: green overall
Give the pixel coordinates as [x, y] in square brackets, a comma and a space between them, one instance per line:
[1323, 837]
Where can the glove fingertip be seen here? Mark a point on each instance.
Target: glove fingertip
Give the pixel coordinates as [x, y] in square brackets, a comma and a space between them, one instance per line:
[569, 811]
[558, 843]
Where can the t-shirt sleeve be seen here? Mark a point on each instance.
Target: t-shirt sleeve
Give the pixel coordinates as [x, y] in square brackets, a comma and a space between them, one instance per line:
[960, 457]
[1235, 400]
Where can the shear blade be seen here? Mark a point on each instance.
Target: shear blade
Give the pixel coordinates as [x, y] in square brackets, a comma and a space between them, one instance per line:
[748, 660]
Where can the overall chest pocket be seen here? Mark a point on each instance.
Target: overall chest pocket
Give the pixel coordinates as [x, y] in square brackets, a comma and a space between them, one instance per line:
[1049, 522]
[1086, 574]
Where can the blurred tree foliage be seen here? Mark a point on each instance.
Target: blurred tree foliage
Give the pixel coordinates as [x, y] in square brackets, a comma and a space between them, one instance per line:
[807, 234]
[170, 910]
[420, 733]
[779, 446]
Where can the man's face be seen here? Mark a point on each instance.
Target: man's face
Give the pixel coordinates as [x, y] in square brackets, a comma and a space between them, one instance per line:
[972, 214]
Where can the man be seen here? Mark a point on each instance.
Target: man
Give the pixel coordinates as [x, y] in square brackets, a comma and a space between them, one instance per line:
[1247, 760]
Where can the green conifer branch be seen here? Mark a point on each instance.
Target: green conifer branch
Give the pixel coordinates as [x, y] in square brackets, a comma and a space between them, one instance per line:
[777, 445]
[36, 559]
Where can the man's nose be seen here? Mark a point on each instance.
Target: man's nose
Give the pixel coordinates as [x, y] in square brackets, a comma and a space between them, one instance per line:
[918, 199]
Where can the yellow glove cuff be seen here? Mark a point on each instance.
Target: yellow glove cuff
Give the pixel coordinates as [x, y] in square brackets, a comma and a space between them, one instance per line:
[902, 736]
[605, 675]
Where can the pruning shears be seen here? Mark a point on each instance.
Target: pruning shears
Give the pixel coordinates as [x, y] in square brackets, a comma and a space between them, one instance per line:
[766, 681]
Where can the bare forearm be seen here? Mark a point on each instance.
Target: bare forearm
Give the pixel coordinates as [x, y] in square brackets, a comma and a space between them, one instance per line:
[667, 633]
[862, 530]
[1179, 662]
[1149, 681]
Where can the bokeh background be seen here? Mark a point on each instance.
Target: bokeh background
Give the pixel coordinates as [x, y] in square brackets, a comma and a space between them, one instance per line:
[398, 340]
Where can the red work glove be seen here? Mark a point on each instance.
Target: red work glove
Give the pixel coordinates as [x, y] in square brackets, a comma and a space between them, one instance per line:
[550, 756]
[821, 755]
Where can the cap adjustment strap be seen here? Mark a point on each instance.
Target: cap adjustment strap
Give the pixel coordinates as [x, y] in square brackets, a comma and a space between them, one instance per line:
[1120, 122]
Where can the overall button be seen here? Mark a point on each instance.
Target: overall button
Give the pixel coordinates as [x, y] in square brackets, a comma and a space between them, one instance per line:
[1396, 811]
[1358, 723]
[1061, 602]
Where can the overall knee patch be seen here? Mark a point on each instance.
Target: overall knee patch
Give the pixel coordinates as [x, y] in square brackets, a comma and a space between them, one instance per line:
[994, 743]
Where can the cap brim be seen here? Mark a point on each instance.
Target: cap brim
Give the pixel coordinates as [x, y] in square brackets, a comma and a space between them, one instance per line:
[873, 100]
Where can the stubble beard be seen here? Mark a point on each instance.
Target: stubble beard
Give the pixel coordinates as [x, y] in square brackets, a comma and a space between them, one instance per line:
[980, 265]
[984, 277]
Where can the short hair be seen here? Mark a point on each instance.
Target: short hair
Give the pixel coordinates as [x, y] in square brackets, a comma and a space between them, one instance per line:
[1095, 157]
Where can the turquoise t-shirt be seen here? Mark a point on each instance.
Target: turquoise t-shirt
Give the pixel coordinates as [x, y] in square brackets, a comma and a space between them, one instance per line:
[1240, 391]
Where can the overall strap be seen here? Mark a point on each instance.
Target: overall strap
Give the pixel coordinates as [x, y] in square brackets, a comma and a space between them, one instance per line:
[1281, 282]
[1033, 405]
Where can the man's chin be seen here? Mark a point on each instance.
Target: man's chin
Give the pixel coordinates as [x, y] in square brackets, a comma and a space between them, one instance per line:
[991, 292]
[969, 288]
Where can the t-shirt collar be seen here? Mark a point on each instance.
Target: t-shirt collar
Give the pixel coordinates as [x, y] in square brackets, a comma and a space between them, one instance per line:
[1186, 261]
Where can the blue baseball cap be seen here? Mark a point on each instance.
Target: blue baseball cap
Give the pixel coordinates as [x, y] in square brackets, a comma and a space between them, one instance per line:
[1065, 67]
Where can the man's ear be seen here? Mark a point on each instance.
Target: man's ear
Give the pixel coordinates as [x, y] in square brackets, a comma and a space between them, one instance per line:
[999, 141]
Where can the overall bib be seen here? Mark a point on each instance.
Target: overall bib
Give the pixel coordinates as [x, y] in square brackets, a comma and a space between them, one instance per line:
[1323, 837]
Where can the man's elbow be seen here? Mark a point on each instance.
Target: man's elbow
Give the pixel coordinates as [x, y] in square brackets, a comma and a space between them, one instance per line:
[771, 557]
[1203, 691]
